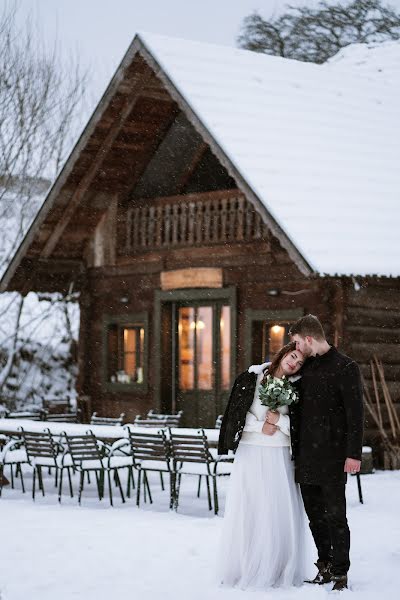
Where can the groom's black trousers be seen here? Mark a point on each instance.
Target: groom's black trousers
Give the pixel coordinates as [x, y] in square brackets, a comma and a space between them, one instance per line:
[326, 510]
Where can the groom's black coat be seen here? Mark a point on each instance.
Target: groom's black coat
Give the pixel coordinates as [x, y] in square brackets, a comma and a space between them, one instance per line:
[234, 419]
[328, 420]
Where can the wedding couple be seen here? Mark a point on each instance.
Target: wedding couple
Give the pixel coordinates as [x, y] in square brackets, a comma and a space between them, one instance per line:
[264, 537]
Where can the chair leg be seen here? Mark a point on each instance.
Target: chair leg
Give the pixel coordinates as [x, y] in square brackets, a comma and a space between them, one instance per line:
[60, 485]
[12, 475]
[216, 507]
[118, 481]
[56, 478]
[128, 484]
[177, 489]
[208, 493]
[162, 481]
[199, 487]
[1, 478]
[171, 489]
[133, 477]
[110, 486]
[33, 483]
[81, 478]
[98, 483]
[138, 487]
[22, 479]
[39, 469]
[70, 482]
[146, 483]
[360, 496]
[88, 477]
[102, 482]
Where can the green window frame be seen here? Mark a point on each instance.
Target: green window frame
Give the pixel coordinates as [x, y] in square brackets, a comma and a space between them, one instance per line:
[116, 354]
[268, 318]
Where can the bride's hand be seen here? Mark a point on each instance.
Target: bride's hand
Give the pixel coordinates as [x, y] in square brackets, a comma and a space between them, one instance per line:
[272, 417]
[269, 429]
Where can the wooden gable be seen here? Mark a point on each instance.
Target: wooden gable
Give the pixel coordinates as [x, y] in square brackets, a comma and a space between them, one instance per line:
[143, 141]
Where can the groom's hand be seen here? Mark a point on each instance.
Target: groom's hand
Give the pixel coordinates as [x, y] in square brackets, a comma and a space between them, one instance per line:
[352, 465]
[269, 429]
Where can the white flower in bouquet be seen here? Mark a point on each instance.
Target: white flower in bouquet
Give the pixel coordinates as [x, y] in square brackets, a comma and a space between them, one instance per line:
[275, 393]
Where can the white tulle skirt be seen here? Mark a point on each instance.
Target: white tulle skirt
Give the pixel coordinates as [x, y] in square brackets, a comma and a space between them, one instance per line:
[265, 541]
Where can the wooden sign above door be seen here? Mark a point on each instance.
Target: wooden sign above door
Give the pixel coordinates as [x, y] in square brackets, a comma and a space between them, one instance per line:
[191, 278]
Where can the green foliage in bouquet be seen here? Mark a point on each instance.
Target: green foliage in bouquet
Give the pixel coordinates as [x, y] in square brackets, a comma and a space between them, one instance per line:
[275, 393]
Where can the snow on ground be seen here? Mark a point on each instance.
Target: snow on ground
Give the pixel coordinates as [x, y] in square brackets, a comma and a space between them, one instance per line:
[94, 552]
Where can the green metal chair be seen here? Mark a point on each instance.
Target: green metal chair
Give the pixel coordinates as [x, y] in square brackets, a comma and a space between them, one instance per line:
[150, 453]
[191, 455]
[88, 454]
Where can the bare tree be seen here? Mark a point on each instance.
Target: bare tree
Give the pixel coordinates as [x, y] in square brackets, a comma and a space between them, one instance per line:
[41, 96]
[314, 34]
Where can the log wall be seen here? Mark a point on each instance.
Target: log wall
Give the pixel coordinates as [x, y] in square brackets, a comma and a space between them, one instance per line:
[372, 327]
[361, 319]
[251, 259]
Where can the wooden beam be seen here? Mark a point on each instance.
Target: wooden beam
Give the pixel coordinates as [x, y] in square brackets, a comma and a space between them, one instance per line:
[157, 95]
[192, 166]
[88, 178]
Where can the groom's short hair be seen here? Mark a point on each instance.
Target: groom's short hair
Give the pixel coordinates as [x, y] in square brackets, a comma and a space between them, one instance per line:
[308, 325]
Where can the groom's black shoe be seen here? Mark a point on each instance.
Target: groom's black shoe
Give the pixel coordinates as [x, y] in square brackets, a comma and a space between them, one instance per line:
[324, 574]
[340, 582]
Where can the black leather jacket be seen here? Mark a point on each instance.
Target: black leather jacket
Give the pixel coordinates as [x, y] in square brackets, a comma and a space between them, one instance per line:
[234, 419]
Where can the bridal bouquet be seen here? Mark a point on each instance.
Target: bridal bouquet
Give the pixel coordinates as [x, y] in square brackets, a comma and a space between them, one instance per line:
[277, 392]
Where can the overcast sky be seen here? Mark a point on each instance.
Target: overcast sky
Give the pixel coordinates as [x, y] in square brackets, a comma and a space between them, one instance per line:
[100, 31]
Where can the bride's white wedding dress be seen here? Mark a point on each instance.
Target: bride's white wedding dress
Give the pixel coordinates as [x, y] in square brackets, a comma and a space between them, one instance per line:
[265, 540]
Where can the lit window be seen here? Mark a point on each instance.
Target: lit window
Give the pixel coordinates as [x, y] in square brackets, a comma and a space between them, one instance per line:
[225, 332]
[275, 336]
[126, 354]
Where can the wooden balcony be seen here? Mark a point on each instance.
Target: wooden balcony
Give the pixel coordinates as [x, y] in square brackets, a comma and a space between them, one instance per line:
[193, 220]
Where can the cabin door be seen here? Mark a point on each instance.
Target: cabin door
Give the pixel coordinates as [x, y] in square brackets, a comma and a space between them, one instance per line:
[200, 360]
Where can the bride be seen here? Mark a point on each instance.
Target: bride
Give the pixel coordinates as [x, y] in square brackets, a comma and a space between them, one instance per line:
[264, 533]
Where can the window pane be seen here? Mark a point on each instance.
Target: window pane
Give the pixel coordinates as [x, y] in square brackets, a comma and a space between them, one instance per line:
[112, 352]
[204, 347]
[225, 332]
[130, 337]
[125, 354]
[186, 327]
[277, 335]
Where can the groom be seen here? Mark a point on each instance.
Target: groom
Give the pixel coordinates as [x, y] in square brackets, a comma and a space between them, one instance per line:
[327, 444]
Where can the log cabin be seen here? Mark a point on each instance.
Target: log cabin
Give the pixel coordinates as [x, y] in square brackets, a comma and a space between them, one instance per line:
[215, 196]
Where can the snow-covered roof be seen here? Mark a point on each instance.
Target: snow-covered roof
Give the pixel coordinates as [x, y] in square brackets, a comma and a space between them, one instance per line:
[318, 144]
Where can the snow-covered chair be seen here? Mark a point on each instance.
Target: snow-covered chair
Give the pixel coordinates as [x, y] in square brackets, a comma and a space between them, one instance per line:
[116, 421]
[13, 455]
[88, 454]
[150, 453]
[43, 451]
[70, 417]
[35, 414]
[168, 419]
[191, 455]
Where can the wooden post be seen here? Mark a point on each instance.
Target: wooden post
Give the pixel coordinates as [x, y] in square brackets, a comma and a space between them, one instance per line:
[338, 303]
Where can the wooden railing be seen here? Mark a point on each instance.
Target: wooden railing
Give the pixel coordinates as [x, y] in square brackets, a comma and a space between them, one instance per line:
[193, 220]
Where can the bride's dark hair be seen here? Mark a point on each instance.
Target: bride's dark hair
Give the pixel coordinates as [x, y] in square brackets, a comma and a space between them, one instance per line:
[271, 370]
